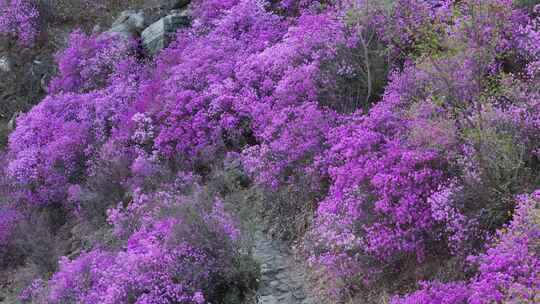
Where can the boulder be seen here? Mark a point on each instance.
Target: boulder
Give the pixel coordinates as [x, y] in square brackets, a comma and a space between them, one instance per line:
[129, 24]
[158, 35]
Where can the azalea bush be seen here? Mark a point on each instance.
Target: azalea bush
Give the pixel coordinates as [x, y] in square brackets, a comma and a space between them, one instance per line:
[508, 270]
[88, 61]
[19, 21]
[179, 248]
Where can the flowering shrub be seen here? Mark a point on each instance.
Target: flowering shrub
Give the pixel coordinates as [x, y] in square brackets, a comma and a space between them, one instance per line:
[85, 65]
[208, 12]
[378, 204]
[19, 20]
[45, 160]
[398, 173]
[108, 278]
[176, 251]
[436, 292]
[294, 138]
[285, 74]
[50, 148]
[192, 110]
[508, 271]
[281, 97]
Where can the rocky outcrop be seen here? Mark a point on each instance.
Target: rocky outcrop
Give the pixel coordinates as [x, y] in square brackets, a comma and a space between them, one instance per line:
[155, 25]
[129, 24]
[158, 35]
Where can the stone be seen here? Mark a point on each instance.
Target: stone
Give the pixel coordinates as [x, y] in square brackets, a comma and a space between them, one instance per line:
[132, 18]
[282, 287]
[159, 34]
[171, 4]
[281, 281]
[282, 276]
[279, 266]
[299, 295]
[42, 71]
[264, 291]
[296, 285]
[267, 300]
[6, 65]
[96, 29]
[285, 298]
[129, 24]
[274, 284]
[165, 5]
[266, 279]
[12, 123]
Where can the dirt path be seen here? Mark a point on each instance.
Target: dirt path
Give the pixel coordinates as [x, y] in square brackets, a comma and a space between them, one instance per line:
[282, 281]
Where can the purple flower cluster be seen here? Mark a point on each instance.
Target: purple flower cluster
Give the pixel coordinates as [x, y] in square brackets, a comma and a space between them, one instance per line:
[380, 202]
[399, 174]
[88, 61]
[508, 270]
[48, 147]
[168, 256]
[19, 20]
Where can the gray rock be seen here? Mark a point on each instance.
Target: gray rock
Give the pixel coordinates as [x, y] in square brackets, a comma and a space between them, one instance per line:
[12, 123]
[129, 24]
[156, 9]
[6, 65]
[181, 4]
[286, 297]
[299, 295]
[42, 71]
[283, 287]
[135, 20]
[171, 4]
[158, 35]
[267, 300]
[264, 291]
[96, 29]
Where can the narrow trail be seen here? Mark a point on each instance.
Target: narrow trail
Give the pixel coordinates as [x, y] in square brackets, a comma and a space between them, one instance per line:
[282, 281]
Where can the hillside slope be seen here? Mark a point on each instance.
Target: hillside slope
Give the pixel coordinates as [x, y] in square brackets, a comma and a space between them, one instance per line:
[393, 146]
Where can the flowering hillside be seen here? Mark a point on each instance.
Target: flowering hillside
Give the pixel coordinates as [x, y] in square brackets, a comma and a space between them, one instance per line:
[396, 144]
